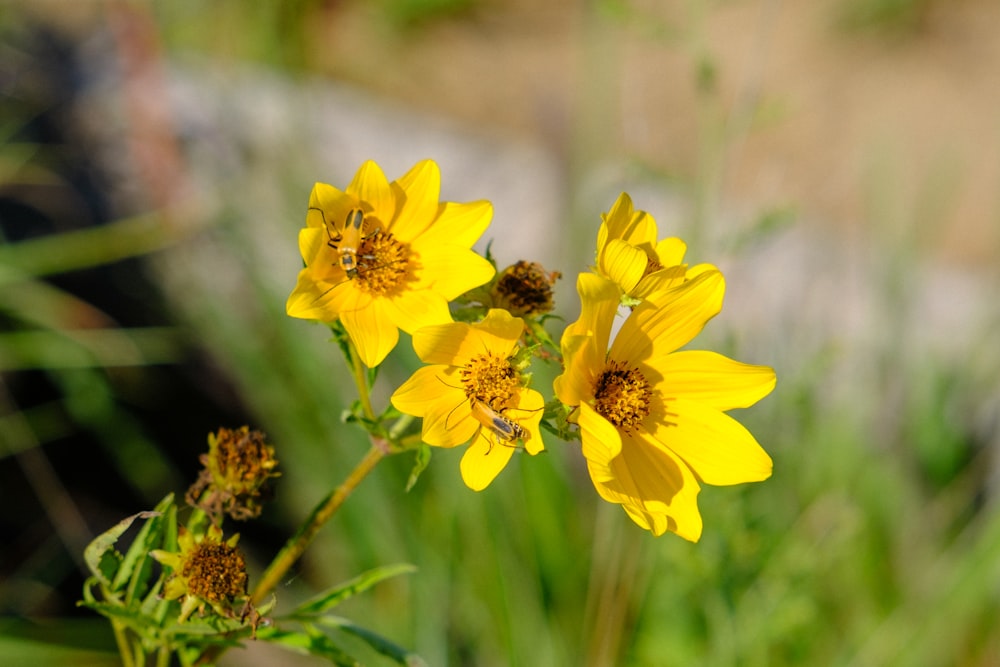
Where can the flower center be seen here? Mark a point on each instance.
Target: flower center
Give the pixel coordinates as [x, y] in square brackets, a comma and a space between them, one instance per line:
[652, 266]
[215, 572]
[492, 380]
[622, 395]
[383, 264]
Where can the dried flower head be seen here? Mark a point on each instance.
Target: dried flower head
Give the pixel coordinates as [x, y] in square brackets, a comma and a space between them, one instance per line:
[525, 289]
[206, 571]
[234, 480]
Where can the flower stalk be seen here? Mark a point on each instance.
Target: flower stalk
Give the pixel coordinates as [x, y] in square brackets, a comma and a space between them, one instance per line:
[327, 507]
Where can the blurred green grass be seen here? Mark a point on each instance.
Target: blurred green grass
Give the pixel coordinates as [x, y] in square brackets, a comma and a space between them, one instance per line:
[874, 543]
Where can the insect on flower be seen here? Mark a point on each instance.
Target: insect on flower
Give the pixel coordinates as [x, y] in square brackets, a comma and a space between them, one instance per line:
[347, 241]
[505, 430]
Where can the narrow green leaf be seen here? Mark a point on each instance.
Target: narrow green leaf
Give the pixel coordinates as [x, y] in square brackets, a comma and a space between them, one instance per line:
[421, 460]
[136, 563]
[312, 644]
[384, 646]
[334, 596]
[104, 543]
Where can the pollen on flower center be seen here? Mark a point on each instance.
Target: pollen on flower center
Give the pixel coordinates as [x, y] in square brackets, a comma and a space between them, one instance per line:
[492, 380]
[382, 264]
[215, 572]
[622, 395]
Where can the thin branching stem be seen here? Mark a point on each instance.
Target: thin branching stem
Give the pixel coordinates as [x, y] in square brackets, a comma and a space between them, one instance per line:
[294, 548]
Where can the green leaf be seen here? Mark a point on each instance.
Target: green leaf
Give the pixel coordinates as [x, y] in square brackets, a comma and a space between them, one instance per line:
[132, 618]
[210, 624]
[421, 460]
[384, 646]
[135, 567]
[96, 553]
[308, 643]
[334, 596]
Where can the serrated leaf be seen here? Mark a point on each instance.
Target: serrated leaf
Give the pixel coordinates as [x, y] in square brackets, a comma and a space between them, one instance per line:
[136, 558]
[316, 644]
[108, 566]
[421, 460]
[384, 646]
[334, 596]
[105, 543]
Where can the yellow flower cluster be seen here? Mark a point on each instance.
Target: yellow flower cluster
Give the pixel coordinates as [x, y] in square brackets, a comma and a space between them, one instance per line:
[651, 418]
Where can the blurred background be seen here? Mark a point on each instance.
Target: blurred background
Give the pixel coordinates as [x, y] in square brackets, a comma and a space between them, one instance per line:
[839, 160]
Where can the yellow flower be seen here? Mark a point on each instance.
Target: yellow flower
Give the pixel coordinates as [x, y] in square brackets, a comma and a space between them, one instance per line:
[412, 256]
[204, 571]
[474, 391]
[629, 255]
[652, 419]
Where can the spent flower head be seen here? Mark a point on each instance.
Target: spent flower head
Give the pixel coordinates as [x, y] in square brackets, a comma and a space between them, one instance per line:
[384, 256]
[629, 254]
[205, 572]
[473, 390]
[653, 419]
[236, 470]
[524, 289]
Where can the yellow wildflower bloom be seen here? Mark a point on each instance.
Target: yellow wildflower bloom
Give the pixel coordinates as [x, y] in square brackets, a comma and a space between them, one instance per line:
[396, 265]
[652, 419]
[629, 254]
[473, 390]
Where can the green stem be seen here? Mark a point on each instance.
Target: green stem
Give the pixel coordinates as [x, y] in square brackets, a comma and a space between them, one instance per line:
[294, 548]
[163, 657]
[123, 648]
[359, 371]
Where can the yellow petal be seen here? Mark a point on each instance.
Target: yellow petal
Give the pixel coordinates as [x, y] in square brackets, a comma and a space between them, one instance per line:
[459, 224]
[372, 333]
[670, 251]
[503, 328]
[328, 207]
[421, 391]
[370, 186]
[450, 270]
[322, 301]
[637, 228]
[417, 195]
[669, 320]
[434, 394]
[598, 305]
[483, 461]
[457, 343]
[412, 310]
[718, 448]
[660, 281]
[714, 380]
[623, 263]
[584, 342]
[528, 414]
[601, 442]
[657, 489]
[311, 244]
